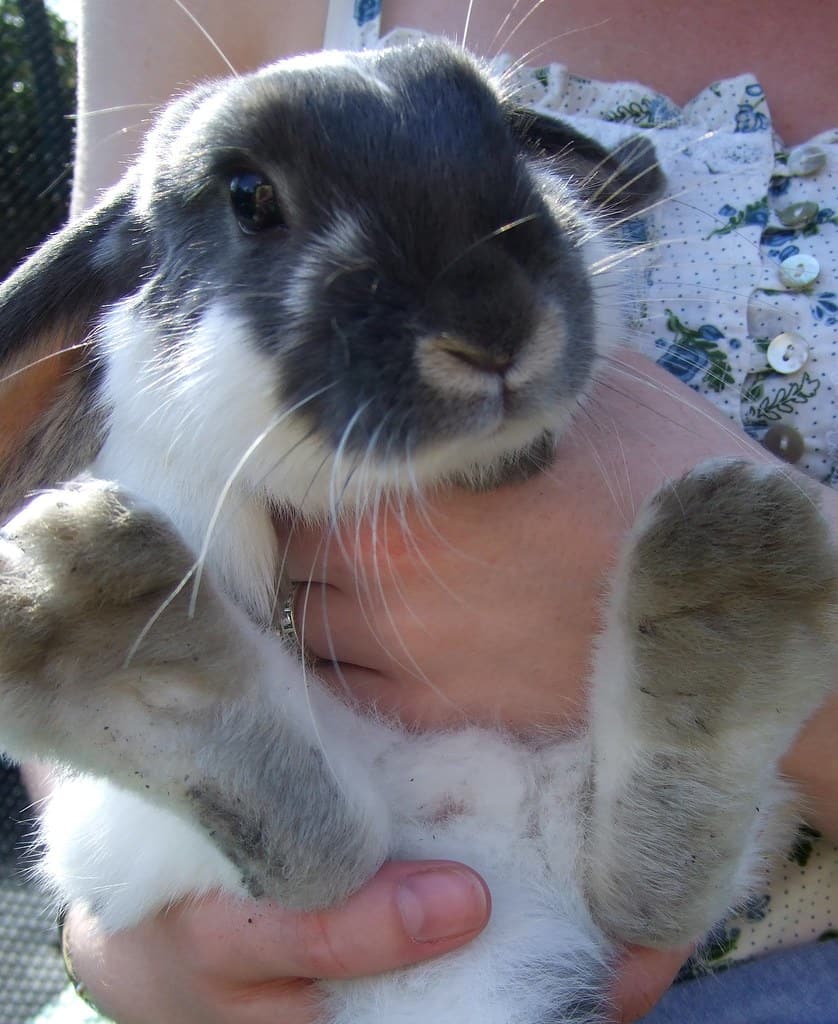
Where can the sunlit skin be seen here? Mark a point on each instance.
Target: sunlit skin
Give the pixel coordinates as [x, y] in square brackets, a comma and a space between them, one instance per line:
[501, 621]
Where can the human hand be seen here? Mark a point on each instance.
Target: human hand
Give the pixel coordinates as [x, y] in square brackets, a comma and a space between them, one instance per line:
[222, 961]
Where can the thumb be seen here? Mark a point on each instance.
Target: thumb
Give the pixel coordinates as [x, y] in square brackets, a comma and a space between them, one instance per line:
[407, 913]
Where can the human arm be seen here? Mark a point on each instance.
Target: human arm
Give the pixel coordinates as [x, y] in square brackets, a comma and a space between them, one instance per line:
[133, 58]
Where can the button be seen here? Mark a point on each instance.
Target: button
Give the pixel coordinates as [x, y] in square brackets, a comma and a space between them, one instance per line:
[798, 215]
[785, 442]
[799, 271]
[806, 160]
[788, 352]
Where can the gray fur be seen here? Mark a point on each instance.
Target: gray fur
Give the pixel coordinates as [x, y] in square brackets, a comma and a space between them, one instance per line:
[83, 574]
[728, 605]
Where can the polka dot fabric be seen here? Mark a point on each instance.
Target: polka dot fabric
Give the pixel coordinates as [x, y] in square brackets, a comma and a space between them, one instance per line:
[733, 284]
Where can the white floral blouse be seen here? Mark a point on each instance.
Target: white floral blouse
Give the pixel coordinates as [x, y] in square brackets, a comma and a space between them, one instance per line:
[738, 292]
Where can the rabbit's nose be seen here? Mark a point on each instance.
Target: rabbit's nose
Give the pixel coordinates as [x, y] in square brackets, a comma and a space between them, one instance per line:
[471, 354]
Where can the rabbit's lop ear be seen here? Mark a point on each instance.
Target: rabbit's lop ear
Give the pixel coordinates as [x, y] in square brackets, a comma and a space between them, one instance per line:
[618, 183]
[50, 423]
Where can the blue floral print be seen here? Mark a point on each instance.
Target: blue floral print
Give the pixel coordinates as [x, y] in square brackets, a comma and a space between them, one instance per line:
[825, 308]
[366, 11]
[756, 213]
[694, 351]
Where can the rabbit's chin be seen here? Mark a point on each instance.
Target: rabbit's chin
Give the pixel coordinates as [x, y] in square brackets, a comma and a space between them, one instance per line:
[209, 402]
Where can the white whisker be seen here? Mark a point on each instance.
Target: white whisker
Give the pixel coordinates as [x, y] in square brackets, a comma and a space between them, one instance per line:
[519, 62]
[520, 24]
[630, 371]
[468, 22]
[80, 346]
[207, 36]
[233, 476]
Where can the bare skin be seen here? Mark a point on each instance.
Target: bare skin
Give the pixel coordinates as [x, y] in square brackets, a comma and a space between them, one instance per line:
[502, 622]
[673, 48]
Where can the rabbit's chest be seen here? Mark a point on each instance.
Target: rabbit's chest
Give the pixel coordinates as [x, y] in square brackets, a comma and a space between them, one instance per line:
[481, 797]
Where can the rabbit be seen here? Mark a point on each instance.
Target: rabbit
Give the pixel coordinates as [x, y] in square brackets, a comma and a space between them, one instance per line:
[343, 276]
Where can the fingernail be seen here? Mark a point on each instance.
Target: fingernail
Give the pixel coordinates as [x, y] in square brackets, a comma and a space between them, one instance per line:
[441, 904]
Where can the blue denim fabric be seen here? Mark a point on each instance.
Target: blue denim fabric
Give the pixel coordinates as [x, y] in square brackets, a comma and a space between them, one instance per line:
[796, 986]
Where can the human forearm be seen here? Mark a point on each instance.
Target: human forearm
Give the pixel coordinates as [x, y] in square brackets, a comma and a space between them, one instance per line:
[133, 59]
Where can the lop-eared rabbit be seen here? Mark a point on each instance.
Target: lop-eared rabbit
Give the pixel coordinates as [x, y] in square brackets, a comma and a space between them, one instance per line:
[340, 278]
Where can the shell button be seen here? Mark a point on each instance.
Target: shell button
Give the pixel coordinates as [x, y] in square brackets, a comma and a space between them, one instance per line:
[799, 271]
[785, 442]
[806, 160]
[798, 215]
[788, 352]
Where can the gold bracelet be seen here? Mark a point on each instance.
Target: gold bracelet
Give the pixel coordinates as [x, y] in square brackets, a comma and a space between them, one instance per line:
[79, 986]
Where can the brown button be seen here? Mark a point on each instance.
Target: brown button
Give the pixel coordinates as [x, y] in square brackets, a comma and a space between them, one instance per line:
[785, 442]
[798, 215]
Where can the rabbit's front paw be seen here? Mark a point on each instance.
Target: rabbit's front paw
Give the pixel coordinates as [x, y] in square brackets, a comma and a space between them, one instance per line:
[107, 664]
[94, 609]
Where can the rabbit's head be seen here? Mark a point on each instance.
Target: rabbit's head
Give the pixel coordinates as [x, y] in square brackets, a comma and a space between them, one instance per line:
[341, 273]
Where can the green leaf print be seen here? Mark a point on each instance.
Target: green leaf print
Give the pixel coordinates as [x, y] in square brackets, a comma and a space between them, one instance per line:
[782, 402]
[753, 214]
[703, 339]
[638, 112]
[753, 392]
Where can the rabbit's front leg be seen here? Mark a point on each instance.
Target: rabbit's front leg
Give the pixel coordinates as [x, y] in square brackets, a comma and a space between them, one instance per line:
[721, 642]
[105, 666]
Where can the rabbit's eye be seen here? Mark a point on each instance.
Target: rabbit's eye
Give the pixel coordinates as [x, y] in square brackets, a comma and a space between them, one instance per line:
[254, 202]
